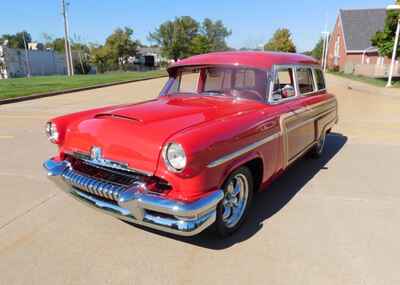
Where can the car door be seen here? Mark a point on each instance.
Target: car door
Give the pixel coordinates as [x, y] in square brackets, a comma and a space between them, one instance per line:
[284, 94]
[301, 128]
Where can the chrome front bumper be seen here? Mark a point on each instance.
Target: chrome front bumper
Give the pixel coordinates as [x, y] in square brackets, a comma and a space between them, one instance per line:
[134, 205]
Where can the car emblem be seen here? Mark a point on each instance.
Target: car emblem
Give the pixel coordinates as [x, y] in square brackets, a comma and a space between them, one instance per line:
[95, 153]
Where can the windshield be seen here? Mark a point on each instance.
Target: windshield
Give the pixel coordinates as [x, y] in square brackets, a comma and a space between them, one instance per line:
[218, 81]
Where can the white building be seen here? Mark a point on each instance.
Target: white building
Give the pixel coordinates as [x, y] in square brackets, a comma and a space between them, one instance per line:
[149, 56]
[13, 62]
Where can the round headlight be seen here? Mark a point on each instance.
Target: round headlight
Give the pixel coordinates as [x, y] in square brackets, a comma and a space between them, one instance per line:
[52, 132]
[174, 157]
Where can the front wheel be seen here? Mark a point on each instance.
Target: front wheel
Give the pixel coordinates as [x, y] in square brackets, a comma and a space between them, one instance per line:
[232, 210]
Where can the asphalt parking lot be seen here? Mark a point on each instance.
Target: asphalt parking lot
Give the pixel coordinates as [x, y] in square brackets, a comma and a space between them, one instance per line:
[328, 221]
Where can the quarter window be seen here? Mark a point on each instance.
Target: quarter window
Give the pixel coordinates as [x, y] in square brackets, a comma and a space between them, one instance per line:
[283, 87]
[319, 77]
[305, 80]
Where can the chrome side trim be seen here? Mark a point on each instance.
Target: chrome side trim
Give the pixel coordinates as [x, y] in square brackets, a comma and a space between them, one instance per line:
[243, 150]
[283, 132]
[311, 119]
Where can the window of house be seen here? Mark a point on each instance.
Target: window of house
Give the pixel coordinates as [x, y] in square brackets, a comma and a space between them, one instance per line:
[319, 77]
[305, 80]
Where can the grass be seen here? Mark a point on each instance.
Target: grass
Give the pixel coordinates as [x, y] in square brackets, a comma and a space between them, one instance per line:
[17, 87]
[373, 81]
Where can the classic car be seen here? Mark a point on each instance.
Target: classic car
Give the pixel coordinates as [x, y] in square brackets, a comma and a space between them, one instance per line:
[224, 126]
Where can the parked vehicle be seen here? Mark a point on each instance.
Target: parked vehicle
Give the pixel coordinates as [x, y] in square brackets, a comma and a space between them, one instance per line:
[224, 126]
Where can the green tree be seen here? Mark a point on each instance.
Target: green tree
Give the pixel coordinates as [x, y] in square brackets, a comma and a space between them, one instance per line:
[384, 40]
[119, 46]
[318, 49]
[281, 41]
[17, 40]
[216, 33]
[184, 37]
[101, 57]
[57, 45]
[176, 37]
[122, 45]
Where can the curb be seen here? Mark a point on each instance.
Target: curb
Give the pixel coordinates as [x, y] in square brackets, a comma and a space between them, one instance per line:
[49, 94]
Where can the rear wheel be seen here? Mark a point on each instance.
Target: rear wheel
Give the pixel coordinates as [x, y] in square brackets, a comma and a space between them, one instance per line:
[318, 150]
[232, 210]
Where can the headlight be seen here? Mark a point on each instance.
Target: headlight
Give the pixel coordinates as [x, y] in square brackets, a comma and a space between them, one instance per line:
[52, 132]
[174, 157]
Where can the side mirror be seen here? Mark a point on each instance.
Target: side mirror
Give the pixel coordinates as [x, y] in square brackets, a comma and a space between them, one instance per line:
[288, 91]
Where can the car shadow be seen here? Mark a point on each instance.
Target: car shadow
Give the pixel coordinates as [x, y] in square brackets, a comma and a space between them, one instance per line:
[272, 200]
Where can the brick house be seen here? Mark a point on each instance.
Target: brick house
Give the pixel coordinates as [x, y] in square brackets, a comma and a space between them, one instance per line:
[350, 48]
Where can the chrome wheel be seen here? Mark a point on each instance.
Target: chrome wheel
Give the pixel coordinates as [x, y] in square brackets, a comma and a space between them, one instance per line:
[235, 200]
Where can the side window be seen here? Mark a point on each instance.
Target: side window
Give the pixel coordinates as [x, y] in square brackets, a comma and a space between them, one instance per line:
[217, 79]
[305, 80]
[319, 77]
[283, 85]
[245, 78]
[189, 81]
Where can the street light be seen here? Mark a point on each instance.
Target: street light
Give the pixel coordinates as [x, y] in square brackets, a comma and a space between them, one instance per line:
[396, 43]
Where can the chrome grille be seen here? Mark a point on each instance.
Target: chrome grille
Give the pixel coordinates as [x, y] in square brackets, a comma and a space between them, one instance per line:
[93, 186]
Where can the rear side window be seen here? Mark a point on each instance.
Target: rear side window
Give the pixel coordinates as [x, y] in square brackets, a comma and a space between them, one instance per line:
[319, 77]
[305, 80]
[245, 78]
[217, 79]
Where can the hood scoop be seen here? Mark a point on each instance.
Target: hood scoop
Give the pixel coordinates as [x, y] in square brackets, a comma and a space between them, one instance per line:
[115, 116]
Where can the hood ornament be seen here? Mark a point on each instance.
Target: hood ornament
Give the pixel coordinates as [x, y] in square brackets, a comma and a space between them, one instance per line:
[96, 153]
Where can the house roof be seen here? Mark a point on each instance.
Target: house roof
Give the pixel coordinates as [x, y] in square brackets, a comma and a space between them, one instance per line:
[254, 59]
[360, 25]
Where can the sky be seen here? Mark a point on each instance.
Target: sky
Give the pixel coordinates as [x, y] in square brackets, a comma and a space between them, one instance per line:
[252, 22]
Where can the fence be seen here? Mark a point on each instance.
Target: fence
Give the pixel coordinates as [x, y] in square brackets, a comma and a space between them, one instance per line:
[376, 70]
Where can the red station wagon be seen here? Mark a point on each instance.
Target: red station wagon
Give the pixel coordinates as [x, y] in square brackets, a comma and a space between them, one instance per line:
[224, 126]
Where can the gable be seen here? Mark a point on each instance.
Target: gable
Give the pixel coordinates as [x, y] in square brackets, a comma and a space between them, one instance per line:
[360, 25]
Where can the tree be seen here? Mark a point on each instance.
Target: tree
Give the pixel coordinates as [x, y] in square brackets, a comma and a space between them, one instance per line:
[176, 37]
[119, 46]
[17, 40]
[216, 33]
[384, 40]
[281, 41]
[184, 37]
[318, 49]
[57, 45]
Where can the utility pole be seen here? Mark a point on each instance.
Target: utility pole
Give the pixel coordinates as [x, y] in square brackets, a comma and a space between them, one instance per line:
[27, 61]
[326, 50]
[396, 43]
[323, 50]
[68, 57]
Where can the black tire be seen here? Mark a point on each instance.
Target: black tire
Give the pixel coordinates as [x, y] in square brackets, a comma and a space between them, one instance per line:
[222, 227]
[318, 150]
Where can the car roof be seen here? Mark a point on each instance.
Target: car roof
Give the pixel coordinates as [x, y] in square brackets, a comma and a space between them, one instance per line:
[252, 59]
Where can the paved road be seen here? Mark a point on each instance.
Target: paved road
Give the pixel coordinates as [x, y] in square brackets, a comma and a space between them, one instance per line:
[332, 221]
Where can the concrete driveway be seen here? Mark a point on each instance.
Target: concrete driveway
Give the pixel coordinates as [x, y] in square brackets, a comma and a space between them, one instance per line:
[328, 221]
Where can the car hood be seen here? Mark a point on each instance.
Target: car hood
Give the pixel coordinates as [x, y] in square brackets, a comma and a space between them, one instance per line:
[135, 134]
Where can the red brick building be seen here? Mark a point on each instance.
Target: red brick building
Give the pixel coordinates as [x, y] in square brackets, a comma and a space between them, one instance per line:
[350, 42]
